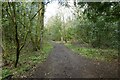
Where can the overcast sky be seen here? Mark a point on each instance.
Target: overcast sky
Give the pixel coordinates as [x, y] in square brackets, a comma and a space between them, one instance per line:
[53, 8]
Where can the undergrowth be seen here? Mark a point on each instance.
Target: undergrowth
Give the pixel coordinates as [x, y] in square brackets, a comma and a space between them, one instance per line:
[28, 59]
[93, 53]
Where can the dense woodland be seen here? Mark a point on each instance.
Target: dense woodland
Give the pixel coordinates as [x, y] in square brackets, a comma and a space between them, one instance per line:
[95, 24]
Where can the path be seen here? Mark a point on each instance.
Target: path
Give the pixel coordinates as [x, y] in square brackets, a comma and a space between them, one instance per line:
[63, 63]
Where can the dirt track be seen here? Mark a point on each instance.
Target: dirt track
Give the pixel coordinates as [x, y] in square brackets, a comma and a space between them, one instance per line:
[63, 63]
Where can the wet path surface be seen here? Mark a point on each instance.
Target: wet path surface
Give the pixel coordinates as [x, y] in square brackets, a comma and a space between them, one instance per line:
[63, 63]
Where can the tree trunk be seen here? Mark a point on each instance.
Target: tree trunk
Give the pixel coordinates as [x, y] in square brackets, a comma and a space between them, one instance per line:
[17, 43]
[41, 19]
[118, 45]
[17, 56]
[16, 35]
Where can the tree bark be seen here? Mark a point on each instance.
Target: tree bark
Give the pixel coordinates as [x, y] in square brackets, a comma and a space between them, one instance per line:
[119, 45]
[41, 19]
[16, 35]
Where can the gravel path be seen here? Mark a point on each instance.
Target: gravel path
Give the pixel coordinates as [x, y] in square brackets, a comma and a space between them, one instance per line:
[63, 63]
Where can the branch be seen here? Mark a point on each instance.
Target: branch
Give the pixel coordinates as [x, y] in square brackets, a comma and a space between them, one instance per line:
[22, 23]
[38, 12]
[24, 41]
[9, 13]
[35, 14]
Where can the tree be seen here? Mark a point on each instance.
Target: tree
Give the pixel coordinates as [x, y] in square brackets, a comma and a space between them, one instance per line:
[23, 24]
[100, 15]
[41, 19]
[55, 28]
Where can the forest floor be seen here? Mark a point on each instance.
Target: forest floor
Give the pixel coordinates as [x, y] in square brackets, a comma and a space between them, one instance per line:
[63, 63]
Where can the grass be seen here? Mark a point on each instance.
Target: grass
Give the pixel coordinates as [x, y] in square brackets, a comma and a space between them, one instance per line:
[92, 53]
[27, 61]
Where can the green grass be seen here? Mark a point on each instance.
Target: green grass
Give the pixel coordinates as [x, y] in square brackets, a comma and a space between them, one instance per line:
[27, 61]
[92, 53]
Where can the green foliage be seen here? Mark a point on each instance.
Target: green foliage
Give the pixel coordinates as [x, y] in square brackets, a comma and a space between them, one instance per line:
[94, 23]
[55, 28]
[110, 10]
[27, 61]
[97, 24]
[93, 53]
[20, 26]
[6, 72]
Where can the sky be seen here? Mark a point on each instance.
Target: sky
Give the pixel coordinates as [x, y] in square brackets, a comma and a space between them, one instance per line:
[53, 8]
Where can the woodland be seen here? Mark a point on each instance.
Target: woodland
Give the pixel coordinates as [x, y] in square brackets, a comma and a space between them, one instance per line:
[92, 32]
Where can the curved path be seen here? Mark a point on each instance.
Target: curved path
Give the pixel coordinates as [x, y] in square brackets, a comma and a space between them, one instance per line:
[63, 63]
